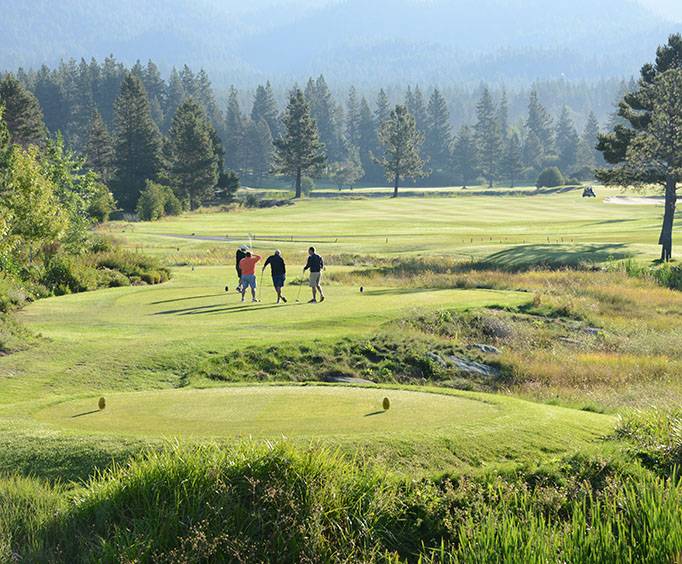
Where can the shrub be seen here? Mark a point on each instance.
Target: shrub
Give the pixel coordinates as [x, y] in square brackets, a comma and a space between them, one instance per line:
[157, 201]
[550, 178]
[251, 201]
[101, 205]
[307, 185]
[66, 274]
[132, 265]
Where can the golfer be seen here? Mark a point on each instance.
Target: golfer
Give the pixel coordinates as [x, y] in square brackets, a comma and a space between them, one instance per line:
[241, 253]
[247, 267]
[278, 270]
[315, 264]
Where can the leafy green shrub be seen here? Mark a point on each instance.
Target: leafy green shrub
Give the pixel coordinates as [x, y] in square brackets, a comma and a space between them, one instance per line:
[251, 201]
[157, 201]
[101, 205]
[132, 265]
[65, 274]
[669, 276]
[550, 178]
[307, 185]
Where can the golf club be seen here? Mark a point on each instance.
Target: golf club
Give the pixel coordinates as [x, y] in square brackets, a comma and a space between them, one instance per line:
[298, 295]
[260, 286]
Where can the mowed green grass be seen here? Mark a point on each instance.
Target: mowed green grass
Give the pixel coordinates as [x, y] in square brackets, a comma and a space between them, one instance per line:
[478, 427]
[505, 230]
[141, 337]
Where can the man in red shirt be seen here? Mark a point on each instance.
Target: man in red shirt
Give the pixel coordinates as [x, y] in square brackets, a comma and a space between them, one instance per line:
[248, 267]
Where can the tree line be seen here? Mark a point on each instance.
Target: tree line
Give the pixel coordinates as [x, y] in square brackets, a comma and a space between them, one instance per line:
[135, 126]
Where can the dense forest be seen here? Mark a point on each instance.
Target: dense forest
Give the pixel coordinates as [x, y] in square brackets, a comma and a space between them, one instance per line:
[134, 125]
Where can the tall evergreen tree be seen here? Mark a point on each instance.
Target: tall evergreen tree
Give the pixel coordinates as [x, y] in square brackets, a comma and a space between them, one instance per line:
[156, 91]
[513, 159]
[299, 150]
[539, 122]
[465, 157]
[383, 109]
[324, 112]
[99, 150]
[533, 154]
[503, 116]
[488, 138]
[402, 145]
[265, 108]
[588, 154]
[23, 115]
[137, 143]
[234, 132]
[353, 118]
[368, 144]
[567, 142]
[643, 138]
[414, 101]
[438, 132]
[259, 142]
[194, 165]
[175, 95]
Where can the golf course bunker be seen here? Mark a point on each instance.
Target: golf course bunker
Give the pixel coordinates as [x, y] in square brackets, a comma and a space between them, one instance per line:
[271, 411]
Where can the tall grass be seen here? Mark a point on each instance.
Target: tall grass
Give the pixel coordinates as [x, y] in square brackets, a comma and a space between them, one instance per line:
[255, 504]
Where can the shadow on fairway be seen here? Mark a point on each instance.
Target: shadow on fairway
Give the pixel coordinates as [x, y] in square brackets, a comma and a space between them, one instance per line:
[86, 413]
[524, 257]
[243, 308]
[187, 310]
[374, 413]
[187, 298]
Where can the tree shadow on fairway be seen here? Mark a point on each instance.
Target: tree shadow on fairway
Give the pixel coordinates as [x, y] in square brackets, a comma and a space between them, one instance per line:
[187, 310]
[524, 257]
[244, 308]
[374, 413]
[187, 298]
[85, 413]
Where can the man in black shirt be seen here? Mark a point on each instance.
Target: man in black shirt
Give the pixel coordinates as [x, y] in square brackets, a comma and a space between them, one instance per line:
[278, 269]
[315, 264]
[241, 253]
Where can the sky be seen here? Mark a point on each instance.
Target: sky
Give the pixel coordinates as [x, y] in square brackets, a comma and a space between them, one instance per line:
[668, 8]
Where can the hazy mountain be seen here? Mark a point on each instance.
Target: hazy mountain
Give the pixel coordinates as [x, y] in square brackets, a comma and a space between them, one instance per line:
[349, 40]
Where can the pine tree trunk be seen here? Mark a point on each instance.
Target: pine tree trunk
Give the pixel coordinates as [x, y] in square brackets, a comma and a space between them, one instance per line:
[298, 183]
[666, 238]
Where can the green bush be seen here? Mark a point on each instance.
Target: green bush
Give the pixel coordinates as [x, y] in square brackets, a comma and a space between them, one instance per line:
[307, 185]
[134, 266]
[65, 274]
[550, 178]
[669, 276]
[157, 201]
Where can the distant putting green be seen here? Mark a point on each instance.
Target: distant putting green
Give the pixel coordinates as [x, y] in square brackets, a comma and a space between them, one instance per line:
[487, 425]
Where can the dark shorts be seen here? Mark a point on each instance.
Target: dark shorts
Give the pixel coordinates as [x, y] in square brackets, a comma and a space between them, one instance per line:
[278, 280]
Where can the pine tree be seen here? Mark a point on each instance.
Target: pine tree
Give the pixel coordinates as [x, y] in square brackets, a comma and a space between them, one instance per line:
[438, 132]
[175, 96]
[204, 96]
[265, 108]
[299, 151]
[513, 159]
[567, 142]
[23, 115]
[402, 145]
[540, 123]
[588, 154]
[503, 116]
[383, 109]
[488, 138]
[259, 141]
[414, 101]
[99, 150]
[194, 165]
[324, 111]
[533, 154]
[368, 140]
[465, 157]
[234, 133]
[137, 143]
[156, 91]
[353, 118]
